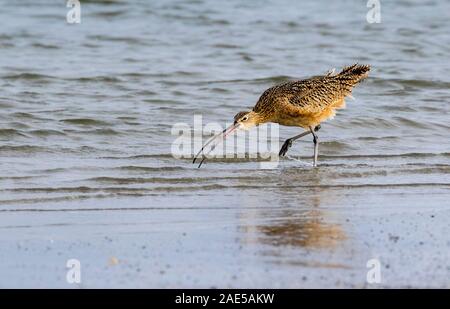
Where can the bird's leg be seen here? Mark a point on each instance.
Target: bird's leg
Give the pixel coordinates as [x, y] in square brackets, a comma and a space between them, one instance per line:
[288, 143]
[316, 143]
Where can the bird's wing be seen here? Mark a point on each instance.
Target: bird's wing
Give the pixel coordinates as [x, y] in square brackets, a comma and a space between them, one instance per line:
[313, 95]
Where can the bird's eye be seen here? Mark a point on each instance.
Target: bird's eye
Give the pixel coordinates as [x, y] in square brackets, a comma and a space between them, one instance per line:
[244, 118]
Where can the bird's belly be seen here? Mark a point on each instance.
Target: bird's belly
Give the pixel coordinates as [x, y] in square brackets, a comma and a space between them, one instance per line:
[292, 121]
[306, 120]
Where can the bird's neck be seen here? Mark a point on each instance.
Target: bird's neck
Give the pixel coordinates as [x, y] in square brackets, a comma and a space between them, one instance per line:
[260, 118]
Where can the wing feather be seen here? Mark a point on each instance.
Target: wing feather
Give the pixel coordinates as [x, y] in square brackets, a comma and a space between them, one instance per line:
[312, 96]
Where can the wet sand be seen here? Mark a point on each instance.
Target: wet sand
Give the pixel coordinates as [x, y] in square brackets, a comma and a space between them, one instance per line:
[292, 227]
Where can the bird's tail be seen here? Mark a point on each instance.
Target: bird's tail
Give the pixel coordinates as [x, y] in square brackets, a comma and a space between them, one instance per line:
[353, 74]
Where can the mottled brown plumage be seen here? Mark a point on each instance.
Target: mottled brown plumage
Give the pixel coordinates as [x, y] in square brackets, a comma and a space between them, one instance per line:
[306, 103]
[303, 103]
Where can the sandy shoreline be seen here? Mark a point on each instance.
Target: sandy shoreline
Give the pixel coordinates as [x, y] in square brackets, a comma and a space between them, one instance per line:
[234, 238]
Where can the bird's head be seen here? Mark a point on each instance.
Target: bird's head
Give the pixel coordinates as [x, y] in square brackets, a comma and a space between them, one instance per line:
[246, 120]
[242, 120]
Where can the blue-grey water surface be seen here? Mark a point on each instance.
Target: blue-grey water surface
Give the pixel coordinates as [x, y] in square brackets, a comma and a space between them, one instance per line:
[86, 169]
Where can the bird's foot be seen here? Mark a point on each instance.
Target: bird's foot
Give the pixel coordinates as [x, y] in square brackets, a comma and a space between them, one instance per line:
[317, 128]
[287, 144]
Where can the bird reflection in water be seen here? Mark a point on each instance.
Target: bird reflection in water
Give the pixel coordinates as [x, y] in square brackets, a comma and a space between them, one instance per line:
[303, 229]
[299, 220]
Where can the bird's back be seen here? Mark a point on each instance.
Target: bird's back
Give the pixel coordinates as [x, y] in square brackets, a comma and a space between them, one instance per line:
[312, 100]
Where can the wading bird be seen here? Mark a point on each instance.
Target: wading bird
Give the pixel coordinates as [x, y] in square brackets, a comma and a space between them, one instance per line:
[304, 103]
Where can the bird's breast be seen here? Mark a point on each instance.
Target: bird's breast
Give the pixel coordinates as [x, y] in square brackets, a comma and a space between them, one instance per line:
[304, 120]
[295, 121]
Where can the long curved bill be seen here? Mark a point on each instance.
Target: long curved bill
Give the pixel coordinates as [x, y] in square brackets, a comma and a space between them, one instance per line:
[215, 140]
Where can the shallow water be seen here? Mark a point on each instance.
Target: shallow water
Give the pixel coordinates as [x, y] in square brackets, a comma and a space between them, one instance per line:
[86, 169]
